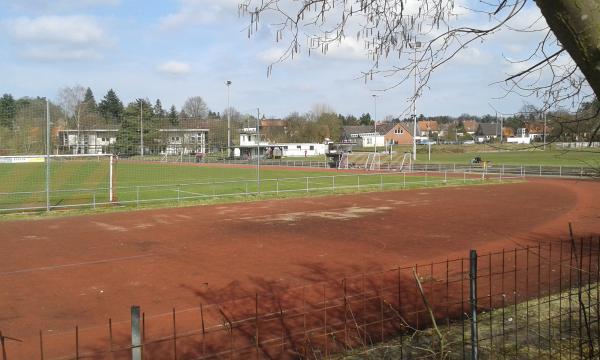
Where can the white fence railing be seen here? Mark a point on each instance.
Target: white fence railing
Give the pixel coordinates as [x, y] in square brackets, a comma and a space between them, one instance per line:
[519, 170]
[139, 195]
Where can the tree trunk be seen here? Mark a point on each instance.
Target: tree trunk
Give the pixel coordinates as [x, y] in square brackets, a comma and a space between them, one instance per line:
[576, 24]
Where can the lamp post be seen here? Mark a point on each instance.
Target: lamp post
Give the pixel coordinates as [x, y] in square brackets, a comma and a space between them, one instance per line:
[228, 83]
[142, 128]
[544, 131]
[415, 46]
[375, 124]
[258, 150]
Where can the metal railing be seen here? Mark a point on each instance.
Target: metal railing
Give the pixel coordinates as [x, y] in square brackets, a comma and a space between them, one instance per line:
[178, 193]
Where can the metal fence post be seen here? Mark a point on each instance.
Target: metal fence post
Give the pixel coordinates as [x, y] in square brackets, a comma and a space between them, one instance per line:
[4, 357]
[136, 349]
[473, 301]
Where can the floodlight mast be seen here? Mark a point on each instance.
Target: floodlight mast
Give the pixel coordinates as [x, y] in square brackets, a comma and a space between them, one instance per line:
[228, 83]
[375, 124]
[415, 46]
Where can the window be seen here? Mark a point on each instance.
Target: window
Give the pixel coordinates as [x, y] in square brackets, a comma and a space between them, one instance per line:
[312, 147]
[298, 147]
[399, 131]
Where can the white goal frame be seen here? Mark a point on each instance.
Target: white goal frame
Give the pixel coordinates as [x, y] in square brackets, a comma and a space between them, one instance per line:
[22, 159]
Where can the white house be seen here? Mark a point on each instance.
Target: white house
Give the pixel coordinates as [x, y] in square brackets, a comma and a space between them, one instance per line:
[299, 150]
[369, 140]
[171, 141]
[249, 145]
[521, 138]
[183, 141]
[89, 141]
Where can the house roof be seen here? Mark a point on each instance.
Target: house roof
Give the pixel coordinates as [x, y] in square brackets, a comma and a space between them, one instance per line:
[535, 127]
[470, 125]
[272, 123]
[358, 129]
[384, 128]
[408, 127]
[428, 125]
[489, 129]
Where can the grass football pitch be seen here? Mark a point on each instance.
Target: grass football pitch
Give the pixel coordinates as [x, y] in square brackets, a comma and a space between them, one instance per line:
[137, 183]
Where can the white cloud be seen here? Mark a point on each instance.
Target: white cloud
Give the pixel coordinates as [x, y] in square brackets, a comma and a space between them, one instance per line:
[175, 68]
[271, 55]
[198, 12]
[73, 37]
[56, 5]
[348, 49]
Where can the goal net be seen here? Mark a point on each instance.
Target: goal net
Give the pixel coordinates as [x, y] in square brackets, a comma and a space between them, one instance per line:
[373, 162]
[357, 160]
[33, 182]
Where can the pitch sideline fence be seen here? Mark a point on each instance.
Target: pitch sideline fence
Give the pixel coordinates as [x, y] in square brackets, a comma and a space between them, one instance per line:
[533, 301]
[137, 195]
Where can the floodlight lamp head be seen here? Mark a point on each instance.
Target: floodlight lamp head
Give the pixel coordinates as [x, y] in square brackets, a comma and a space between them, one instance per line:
[228, 82]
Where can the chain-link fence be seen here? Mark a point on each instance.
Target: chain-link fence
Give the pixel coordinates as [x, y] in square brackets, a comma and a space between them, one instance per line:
[538, 301]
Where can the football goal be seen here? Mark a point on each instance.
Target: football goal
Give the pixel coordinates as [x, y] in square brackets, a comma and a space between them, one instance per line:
[42, 182]
[373, 162]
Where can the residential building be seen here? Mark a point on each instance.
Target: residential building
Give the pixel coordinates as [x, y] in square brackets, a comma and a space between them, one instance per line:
[470, 126]
[507, 132]
[365, 136]
[397, 134]
[536, 130]
[185, 138]
[427, 128]
[250, 146]
[521, 138]
[178, 141]
[487, 131]
[87, 141]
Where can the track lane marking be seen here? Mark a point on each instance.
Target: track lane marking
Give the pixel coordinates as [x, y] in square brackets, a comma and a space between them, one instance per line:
[56, 267]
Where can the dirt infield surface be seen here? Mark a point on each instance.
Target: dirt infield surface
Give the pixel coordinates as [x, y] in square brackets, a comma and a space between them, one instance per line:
[56, 273]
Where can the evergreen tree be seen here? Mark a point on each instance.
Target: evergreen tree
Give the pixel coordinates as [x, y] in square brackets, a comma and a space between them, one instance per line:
[111, 107]
[158, 110]
[129, 139]
[172, 116]
[365, 119]
[8, 111]
[90, 101]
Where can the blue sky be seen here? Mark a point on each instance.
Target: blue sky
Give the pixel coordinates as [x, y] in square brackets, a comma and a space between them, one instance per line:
[176, 49]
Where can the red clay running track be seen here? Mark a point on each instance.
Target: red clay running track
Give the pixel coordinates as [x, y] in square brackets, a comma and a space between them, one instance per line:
[56, 273]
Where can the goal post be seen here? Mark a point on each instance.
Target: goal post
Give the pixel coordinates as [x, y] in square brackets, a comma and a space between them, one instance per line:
[54, 181]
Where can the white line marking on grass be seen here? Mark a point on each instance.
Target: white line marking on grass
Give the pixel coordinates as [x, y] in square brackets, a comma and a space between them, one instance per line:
[56, 267]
